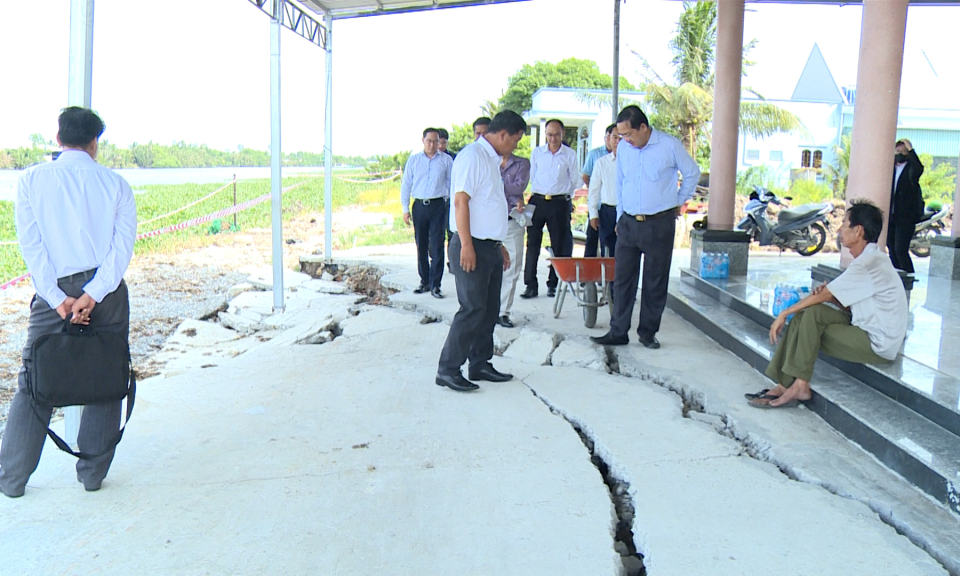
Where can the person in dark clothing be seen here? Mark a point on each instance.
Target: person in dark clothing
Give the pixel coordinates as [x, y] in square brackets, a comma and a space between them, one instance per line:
[906, 204]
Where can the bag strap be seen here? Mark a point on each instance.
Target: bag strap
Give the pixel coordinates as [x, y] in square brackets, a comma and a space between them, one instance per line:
[131, 396]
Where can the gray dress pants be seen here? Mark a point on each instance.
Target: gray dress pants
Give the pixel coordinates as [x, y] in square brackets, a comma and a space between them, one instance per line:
[27, 421]
[653, 241]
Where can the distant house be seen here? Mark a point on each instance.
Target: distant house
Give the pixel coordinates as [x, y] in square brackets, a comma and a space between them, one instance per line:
[927, 116]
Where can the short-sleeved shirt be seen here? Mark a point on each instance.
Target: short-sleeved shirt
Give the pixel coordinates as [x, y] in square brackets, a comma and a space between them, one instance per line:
[591, 160]
[476, 171]
[873, 291]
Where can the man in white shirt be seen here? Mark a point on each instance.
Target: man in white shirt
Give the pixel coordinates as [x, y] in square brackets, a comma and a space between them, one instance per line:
[602, 199]
[869, 329]
[610, 140]
[76, 224]
[479, 222]
[426, 178]
[553, 178]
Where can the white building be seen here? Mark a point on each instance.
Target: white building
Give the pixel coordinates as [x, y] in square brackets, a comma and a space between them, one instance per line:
[927, 117]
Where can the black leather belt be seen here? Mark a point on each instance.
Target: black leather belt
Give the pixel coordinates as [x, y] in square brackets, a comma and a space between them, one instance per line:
[427, 201]
[549, 197]
[643, 217]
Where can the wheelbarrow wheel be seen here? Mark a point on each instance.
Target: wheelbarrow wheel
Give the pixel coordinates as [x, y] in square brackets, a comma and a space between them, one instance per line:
[590, 301]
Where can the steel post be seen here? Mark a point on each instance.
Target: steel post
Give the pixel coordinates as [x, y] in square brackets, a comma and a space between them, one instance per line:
[615, 101]
[328, 146]
[275, 156]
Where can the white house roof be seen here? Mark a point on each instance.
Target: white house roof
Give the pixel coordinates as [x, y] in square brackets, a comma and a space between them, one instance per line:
[816, 83]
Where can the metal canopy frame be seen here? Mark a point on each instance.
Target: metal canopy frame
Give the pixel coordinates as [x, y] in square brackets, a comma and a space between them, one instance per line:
[293, 15]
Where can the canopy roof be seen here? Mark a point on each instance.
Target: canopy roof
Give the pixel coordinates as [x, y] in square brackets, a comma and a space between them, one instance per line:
[342, 9]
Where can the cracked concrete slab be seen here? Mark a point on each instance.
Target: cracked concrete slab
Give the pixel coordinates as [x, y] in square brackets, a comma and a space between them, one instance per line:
[340, 458]
[702, 505]
[531, 346]
[578, 352]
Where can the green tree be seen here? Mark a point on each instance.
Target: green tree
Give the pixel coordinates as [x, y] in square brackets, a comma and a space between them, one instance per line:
[685, 107]
[38, 140]
[938, 182]
[569, 73]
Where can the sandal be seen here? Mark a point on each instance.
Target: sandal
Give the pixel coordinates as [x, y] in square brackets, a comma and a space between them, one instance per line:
[761, 395]
[766, 405]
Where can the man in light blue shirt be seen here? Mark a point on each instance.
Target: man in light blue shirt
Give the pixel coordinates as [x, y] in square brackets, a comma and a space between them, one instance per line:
[648, 202]
[426, 178]
[610, 140]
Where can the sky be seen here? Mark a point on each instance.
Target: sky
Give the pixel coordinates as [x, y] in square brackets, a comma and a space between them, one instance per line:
[199, 70]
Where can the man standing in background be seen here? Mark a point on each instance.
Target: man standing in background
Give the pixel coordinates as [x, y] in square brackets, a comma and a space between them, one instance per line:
[553, 178]
[515, 172]
[444, 140]
[906, 205]
[610, 140]
[480, 127]
[602, 199]
[426, 178]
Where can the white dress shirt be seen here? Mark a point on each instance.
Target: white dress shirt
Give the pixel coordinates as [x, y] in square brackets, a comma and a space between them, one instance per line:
[554, 174]
[476, 171]
[873, 291]
[425, 178]
[603, 184]
[75, 215]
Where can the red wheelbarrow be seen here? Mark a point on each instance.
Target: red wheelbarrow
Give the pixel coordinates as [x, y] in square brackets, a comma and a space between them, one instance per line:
[581, 277]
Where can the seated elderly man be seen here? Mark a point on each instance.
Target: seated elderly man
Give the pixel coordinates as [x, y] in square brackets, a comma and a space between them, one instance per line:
[868, 328]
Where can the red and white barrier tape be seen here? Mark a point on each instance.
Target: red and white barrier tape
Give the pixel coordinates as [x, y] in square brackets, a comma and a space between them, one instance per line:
[182, 225]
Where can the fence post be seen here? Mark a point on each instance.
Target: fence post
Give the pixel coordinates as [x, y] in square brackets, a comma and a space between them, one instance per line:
[235, 201]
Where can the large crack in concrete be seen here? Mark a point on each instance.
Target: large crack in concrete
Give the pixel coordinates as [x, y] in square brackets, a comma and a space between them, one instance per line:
[693, 405]
[618, 488]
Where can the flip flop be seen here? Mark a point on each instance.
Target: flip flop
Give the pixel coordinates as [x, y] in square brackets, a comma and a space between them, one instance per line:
[766, 405]
[761, 395]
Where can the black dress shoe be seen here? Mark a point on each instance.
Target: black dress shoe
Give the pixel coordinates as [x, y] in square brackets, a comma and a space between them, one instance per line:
[436, 293]
[551, 292]
[456, 382]
[529, 293]
[609, 339]
[421, 289]
[490, 374]
[505, 322]
[651, 342]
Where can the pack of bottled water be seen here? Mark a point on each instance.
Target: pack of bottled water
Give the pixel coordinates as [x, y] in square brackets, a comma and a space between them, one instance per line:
[785, 296]
[714, 265]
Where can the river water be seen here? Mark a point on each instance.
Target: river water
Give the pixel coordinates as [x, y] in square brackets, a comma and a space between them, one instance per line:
[139, 177]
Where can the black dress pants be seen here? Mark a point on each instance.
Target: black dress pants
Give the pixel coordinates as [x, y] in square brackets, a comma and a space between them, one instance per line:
[555, 215]
[603, 240]
[429, 227]
[899, 235]
[471, 332]
[653, 241]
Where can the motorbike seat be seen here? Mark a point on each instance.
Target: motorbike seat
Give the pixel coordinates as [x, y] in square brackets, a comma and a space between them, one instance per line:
[793, 214]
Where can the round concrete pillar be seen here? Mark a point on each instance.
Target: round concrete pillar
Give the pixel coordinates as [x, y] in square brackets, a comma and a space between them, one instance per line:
[726, 114]
[882, 34]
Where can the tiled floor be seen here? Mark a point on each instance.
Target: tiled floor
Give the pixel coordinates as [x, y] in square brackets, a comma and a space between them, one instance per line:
[930, 363]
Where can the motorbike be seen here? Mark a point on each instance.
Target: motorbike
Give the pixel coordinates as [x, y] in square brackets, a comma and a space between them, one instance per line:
[928, 228]
[802, 229]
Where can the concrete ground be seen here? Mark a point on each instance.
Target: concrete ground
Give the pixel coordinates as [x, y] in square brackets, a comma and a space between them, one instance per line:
[255, 452]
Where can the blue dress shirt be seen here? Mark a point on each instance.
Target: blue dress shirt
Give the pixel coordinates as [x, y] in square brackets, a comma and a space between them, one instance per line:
[425, 178]
[592, 157]
[647, 177]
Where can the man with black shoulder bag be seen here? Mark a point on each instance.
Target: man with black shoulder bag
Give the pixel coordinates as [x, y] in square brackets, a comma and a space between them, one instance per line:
[76, 224]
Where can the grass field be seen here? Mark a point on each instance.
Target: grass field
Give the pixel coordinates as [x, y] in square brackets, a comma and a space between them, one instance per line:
[154, 201]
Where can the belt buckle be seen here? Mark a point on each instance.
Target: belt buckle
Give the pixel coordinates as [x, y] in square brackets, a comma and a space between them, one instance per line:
[548, 197]
[426, 202]
[640, 217]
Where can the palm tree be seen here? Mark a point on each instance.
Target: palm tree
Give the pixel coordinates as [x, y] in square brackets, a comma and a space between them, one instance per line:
[840, 169]
[686, 106]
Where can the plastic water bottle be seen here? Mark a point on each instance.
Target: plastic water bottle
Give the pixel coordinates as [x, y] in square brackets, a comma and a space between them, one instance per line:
[724, 265]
